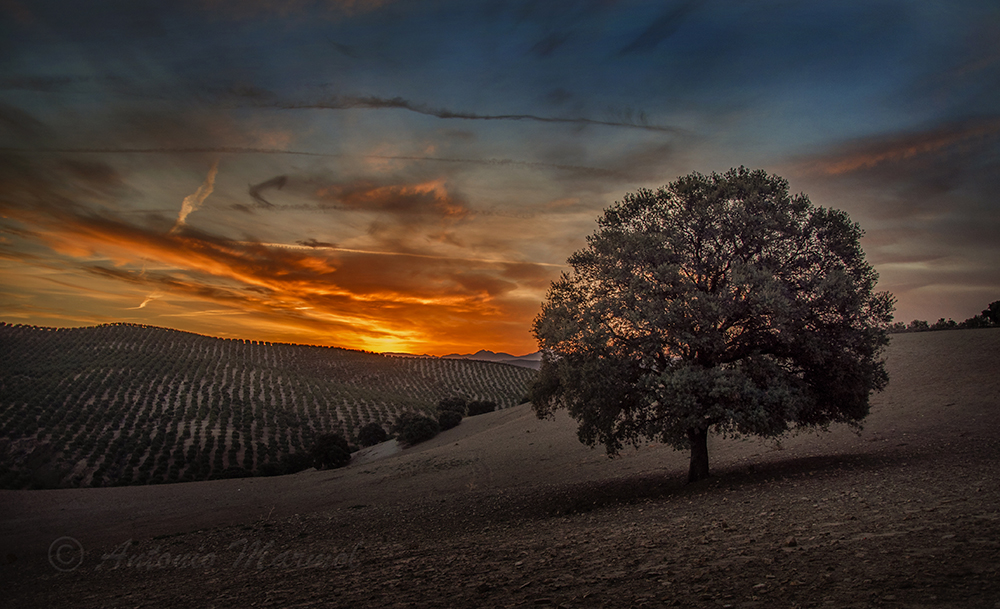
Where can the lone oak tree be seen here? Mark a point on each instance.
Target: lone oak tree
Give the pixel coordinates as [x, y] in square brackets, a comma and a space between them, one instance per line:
[716, 303]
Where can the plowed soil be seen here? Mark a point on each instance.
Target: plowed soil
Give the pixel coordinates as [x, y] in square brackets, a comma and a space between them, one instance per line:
[506, 510]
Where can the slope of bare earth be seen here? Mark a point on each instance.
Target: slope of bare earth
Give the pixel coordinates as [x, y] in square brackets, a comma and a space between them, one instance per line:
[508, 510]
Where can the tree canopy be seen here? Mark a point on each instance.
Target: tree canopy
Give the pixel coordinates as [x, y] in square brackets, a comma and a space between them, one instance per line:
[330, 450]
[715, 303]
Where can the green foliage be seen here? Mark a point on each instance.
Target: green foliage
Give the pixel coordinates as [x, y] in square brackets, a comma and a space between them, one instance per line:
[412, 428]
[448, 419]
[481, 407]
[330, 450]
[714, 303]
[372, 434]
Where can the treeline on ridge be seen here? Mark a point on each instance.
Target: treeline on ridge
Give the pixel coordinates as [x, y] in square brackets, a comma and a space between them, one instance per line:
[989, 318]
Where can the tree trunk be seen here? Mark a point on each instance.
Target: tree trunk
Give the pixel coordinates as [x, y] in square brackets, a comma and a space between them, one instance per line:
[699, 454]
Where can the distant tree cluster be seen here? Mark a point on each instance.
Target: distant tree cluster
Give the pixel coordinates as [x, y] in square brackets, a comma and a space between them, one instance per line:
[989, 318]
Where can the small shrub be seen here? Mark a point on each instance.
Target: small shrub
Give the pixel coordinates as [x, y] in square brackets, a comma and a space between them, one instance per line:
[228, 473]
[481, 407]
[448, 419]
[271, 469]
[414, 428]
[372, 434]
[330, 450]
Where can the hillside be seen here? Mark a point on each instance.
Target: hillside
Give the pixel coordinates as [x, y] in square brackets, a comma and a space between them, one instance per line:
[509, 510]
[127, 404]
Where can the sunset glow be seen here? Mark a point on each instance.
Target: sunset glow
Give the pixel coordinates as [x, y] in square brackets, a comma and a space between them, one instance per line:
[398, 176]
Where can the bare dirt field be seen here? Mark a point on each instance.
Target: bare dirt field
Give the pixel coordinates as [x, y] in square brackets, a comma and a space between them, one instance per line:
[506, 510]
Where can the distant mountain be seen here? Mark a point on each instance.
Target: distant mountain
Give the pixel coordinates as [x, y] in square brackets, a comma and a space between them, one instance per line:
[532, 360]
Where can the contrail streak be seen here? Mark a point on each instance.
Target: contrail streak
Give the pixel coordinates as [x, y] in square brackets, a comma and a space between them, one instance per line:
[148, 300]
[302, 246]
[398, 103]
[595, 171]
[194, 201]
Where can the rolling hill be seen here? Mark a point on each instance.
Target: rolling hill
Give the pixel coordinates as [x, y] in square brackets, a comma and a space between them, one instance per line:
[127, 404]
[506, 510]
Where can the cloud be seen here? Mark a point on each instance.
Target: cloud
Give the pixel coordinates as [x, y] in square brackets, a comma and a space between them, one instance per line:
[431, 197]
[193, 201]
[314, 243]
[94, 175]
[149, 299]
[20, 124]
[547, 45]
[234, 150]
[869, 153]
[399, 103]
[927, 201]
[255, 189]
[404, 299]
[660, 29]
[255, 8]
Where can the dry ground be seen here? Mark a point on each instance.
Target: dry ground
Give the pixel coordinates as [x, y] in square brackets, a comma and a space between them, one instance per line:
[507, 510]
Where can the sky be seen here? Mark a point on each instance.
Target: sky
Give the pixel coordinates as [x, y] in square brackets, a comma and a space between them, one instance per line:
[410, 176]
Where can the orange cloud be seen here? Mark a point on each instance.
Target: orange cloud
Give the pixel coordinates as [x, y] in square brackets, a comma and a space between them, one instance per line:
[868, 153]
[411, 282]
[348, 298]
[427, 197]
